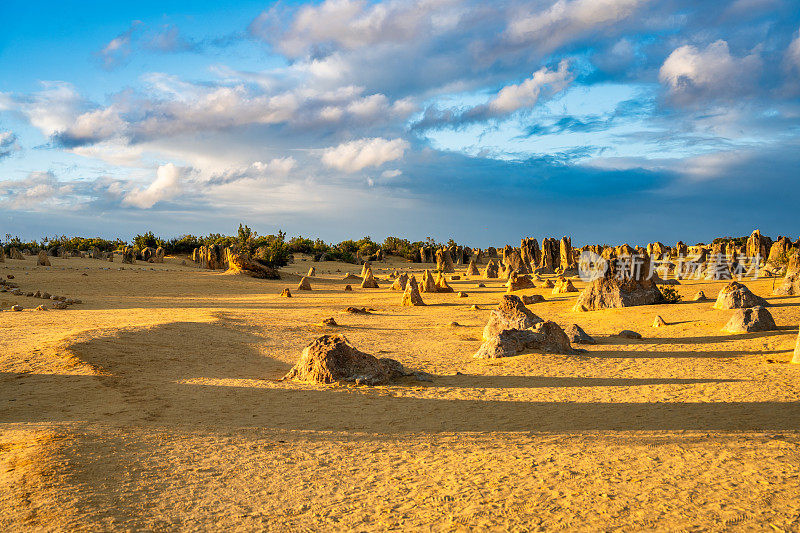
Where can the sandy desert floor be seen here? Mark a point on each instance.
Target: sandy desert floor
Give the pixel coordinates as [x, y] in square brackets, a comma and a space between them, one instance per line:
[155, 404]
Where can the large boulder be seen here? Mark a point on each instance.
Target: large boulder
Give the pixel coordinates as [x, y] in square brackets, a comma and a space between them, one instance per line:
[751, 319]
[518, 282]
[736, 295]
[545, 337]
[241, 263]
[332, 359]
[618, 289]
[511, 313]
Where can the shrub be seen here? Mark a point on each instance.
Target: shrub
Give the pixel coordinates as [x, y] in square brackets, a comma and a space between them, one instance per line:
[670, 294]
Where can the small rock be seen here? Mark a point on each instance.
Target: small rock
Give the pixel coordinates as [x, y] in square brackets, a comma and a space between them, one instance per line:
[474, 307]
[462, 294]
[358, 311]
[41, 308]
[348, 288]
[454, 324]
[628, 334]
[658, 322]
[532, 299]
[329, 322]
[59, 305]
[16, 308]
[576, 335]
[285, 293]
[455, 278]
[480, 285]
[700, 297]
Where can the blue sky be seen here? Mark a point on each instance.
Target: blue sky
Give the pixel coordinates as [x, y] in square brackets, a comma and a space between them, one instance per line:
[608, 120]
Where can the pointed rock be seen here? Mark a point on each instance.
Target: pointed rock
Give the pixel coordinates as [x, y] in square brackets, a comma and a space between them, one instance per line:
[411, 296]
[304, 284]
[369, 281]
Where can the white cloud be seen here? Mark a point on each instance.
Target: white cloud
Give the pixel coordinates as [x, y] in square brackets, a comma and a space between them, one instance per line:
[792, 57]
[565, 20]
[117, 50]
[357, 155]
[166, 186]
[36, 192]
[690, 72]
[525, 95]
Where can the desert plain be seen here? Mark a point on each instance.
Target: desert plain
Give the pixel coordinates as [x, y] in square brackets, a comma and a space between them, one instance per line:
[156, 404]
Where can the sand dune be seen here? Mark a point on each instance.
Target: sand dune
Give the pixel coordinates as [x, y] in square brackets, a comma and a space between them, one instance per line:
[155, 404]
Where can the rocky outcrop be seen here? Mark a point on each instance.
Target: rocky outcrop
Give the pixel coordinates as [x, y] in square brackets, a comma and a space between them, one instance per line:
[441, 284]
[411, 295]
[517, 283]
[566, 257]
[750, 319]
[620, 289]
[491, 271]
[332, 359]
[735, 295]
[551, 256]
[369, 280]
[530, 252]
[400, 283]
[511, 313]
[758, 245]
[444, 263]
[513, 261]
[428, 283]
[790, 285]
[545, 337]
[563, 286]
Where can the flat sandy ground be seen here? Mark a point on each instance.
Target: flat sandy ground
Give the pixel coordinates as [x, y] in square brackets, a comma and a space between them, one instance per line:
[156, 405]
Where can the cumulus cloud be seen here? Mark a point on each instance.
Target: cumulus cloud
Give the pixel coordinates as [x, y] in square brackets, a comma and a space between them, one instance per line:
[512, 98]
[713, 72]
[166, 186]
[357, 155]
[8, 144]
[37, 191]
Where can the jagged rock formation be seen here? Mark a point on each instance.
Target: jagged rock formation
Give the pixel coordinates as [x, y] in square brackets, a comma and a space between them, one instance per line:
[444, 263]
[737, 296]
[551, 256]
[369, 280]
[411, 295]
[511, 313]
[491, 272]
[513, 261]
[517, 282]
[400, 283]
[566, 257]
[472, 269]
[758, 245]
[428, 283]
[441, 284]
[563, 286]
[620, 288]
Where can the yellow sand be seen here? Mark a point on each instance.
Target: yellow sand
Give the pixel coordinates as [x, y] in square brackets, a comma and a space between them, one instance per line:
[155, 405]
